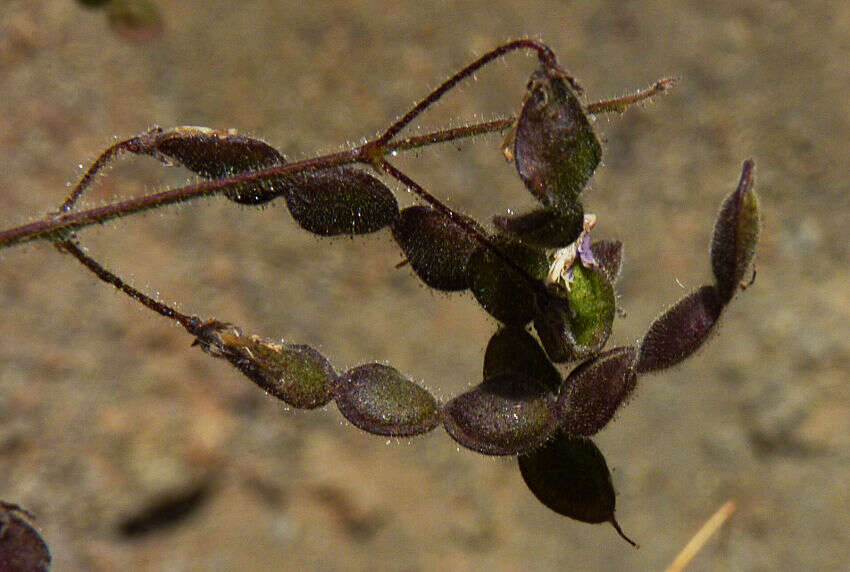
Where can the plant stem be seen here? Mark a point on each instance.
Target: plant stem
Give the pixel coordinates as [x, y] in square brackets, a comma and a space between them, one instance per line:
[620, 104]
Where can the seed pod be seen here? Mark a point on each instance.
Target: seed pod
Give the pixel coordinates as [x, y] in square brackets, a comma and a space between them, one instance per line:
[680, 330]
[569, 475]
[544, 228]
[609, 255]
[216, 154]
[556, 150]
[513, 350]
[295, 374]
[380, 400]
[595, 390]
[437, 248]
[340, 201]
[736, 233]
[504, 415]
[21, 546]
[568, 336]
[501, 290]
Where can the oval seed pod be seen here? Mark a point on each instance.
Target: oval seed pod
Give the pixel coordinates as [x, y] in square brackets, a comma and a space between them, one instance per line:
[570, 476]
[609, 255]
[21, 546]
[513, 350]
[436, 247]
[736, 233]
[594, 391]
[501, 290]
[680, 330]
[340, 201]
[585, 329]
[555, 150]
[215, 154]
[504, 415]
[544, 228]
[380, 400]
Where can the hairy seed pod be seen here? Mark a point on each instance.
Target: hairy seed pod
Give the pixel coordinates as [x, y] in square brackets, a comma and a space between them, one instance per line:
[501, 290]
[570, 476]
[555, 150]
[21, 546]
[215, 154]
[437, 248]
[736, 233]
[544, 228]
[380, 400]
[295, 374]
[504, 415]
[680, 330]
[584, 329]
[513, 350]
[594, 391]
[340, 201]
[609, 255]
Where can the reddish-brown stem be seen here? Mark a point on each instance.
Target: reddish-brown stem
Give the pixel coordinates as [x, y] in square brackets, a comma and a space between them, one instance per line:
[546, 55]
[620, 104]
[69, 246]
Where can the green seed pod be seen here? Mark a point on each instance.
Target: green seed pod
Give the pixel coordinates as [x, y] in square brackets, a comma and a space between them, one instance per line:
[501, 290]
[216, 154]
[504, 415]
[513, 350]
[544, 228]
[380, 400]
[582, 332]
[680, 330]
[736, 233]
[340, 201]
[609, 255]
[570, 476]
[595, 390]
[555, 150]
[437, 248]
[295, 374]
[21, 546]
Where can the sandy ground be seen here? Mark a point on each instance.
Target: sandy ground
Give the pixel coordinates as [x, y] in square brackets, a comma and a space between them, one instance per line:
[106, 410]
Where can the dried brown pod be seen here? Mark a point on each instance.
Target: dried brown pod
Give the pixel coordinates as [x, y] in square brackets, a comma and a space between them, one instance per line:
[594, 391]
[514, 350]
[21, 546]
[570, 476]
[736, 233]
[340, 201]
[556, 150]
[504, 415]
[437, 247]
[379, 399]
[679, 331]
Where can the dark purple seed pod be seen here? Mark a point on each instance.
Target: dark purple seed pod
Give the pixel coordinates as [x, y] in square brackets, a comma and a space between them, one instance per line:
[215, 154]
[296, 374]
[513, 350]
[609, 255]
[594, 391]
[680, 330]
[437, 247]
[736, 234]
[340, 201]
[21, 546]
[504, 415]
[380, 400]
[584, 329]
[544, 228]
[555, 150]
[570, 476]
[501, 290]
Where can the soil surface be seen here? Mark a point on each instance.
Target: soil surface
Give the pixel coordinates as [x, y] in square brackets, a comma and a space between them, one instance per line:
[106, 411]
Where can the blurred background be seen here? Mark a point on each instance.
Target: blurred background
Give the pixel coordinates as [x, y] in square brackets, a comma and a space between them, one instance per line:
[106, 412]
